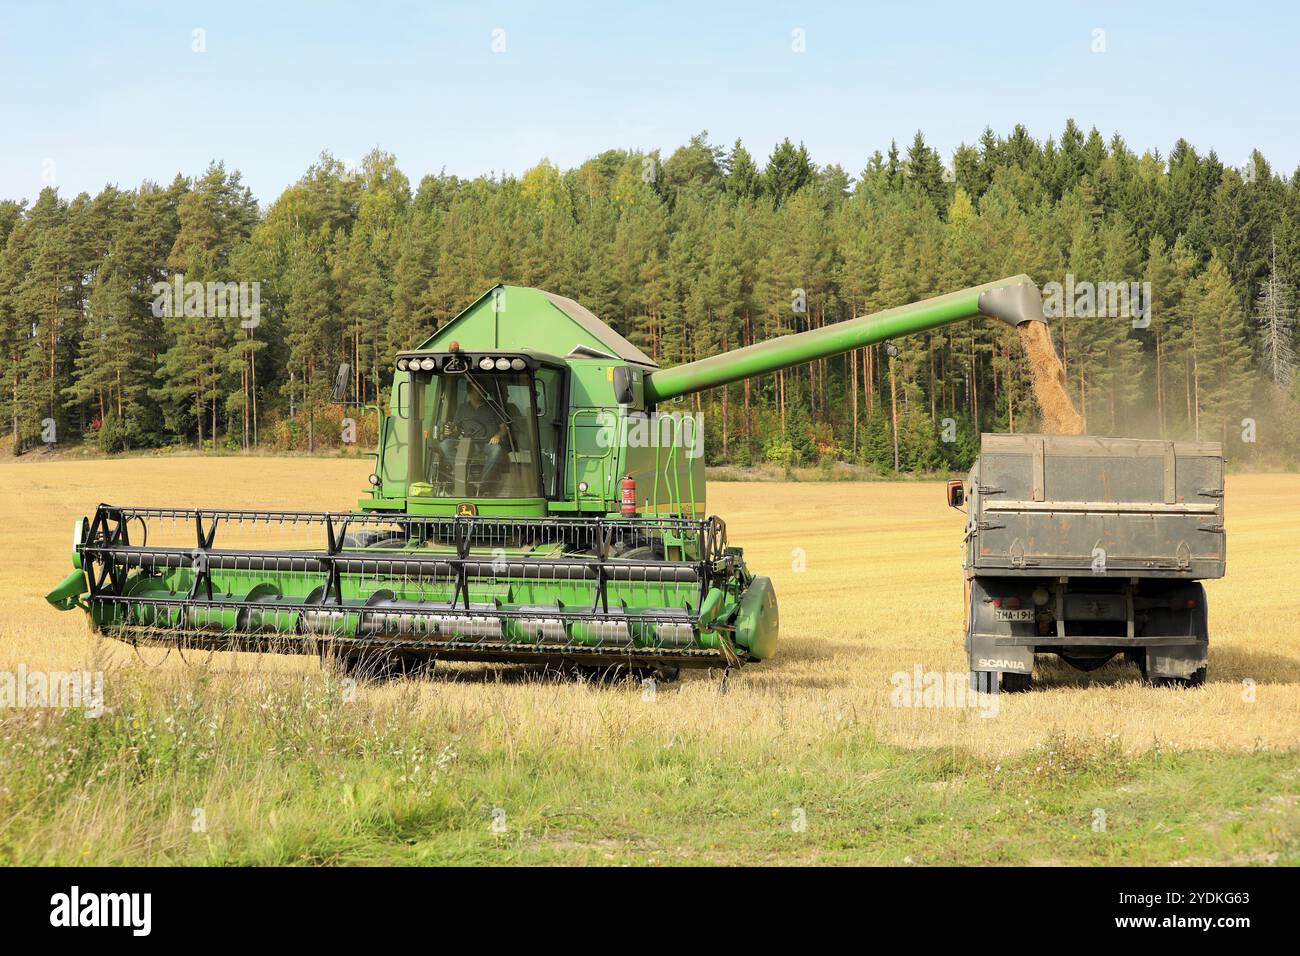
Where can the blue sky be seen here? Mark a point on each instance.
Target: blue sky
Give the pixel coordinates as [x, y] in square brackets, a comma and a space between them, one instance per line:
[92, 93]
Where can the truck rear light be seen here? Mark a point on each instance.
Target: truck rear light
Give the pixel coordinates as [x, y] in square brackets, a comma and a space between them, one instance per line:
[997, 602]
[1191, 603]
[1011, 602]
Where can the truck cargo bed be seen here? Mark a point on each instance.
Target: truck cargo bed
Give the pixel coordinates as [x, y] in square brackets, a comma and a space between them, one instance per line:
[1079, 504]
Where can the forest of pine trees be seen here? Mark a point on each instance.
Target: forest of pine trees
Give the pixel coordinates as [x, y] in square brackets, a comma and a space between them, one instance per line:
[700, 252]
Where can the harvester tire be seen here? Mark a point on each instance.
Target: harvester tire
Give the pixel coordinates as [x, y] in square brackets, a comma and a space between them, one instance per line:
[665, 673]
[642, 552]
[373, 665]
[373, 539]
[610, 674]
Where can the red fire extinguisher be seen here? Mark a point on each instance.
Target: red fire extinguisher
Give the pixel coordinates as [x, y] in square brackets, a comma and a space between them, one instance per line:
[628, 485]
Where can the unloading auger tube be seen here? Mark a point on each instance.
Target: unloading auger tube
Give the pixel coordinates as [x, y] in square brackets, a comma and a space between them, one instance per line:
[526, 554]
[1015, 300]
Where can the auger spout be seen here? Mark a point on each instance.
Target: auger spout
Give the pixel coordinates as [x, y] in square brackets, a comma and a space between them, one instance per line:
[1014, 300]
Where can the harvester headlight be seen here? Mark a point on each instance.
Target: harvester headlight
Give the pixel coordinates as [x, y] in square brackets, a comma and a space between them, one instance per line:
[374, 480]
[503, 364]
[518, 365]
[582, 487]
[428, 364]
[401, 365]
[486, 364]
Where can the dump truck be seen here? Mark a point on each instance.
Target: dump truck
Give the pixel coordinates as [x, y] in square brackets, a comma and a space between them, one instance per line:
[1088, 548]
[535, 498]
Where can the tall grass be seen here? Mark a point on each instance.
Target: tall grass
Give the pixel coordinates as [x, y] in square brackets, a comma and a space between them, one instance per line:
[214, 767]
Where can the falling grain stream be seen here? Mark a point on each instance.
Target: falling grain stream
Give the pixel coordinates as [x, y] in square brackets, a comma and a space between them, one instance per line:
[1059, 415]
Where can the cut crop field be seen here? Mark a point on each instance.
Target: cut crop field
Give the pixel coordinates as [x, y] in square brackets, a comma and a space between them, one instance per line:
[249, 759]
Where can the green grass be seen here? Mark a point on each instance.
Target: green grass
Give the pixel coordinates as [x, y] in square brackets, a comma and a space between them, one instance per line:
[287, 771]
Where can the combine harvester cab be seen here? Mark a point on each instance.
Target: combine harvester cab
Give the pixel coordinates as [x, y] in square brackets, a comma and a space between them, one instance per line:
[1088, 548]
[531, 502]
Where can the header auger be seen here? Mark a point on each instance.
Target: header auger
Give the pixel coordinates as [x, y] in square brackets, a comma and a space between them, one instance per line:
[527, 505]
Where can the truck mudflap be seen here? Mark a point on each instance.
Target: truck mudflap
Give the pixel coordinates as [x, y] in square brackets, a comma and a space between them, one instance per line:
[1161, 626]
[1178, 661]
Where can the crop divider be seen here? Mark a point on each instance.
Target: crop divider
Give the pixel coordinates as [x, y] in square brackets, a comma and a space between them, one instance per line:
[110, 524]
[334, 546]
[463, 535]
[199, 557]
[601, 547]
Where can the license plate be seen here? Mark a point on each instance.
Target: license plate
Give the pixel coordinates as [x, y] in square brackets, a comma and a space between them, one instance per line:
[1007, 614]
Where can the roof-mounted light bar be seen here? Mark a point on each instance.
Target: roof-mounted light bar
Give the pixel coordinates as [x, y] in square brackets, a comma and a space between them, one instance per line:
[454, 361]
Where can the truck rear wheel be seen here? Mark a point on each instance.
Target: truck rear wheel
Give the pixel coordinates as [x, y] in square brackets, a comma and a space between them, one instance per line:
[1196, 680]
[1013, 683]
[982, 681]
[1009, 682]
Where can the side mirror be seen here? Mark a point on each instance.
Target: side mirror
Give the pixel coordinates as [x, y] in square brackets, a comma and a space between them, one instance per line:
[623, 393]
[956, 493]
[339, 393]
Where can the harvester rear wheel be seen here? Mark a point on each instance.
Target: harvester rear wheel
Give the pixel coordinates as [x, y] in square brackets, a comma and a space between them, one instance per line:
[618, 673]
[667, 674]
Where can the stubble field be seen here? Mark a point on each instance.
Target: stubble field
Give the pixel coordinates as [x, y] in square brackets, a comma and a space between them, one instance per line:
[803, 759]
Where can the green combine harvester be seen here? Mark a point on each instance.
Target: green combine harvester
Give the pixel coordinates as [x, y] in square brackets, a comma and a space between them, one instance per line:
[532, 501]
